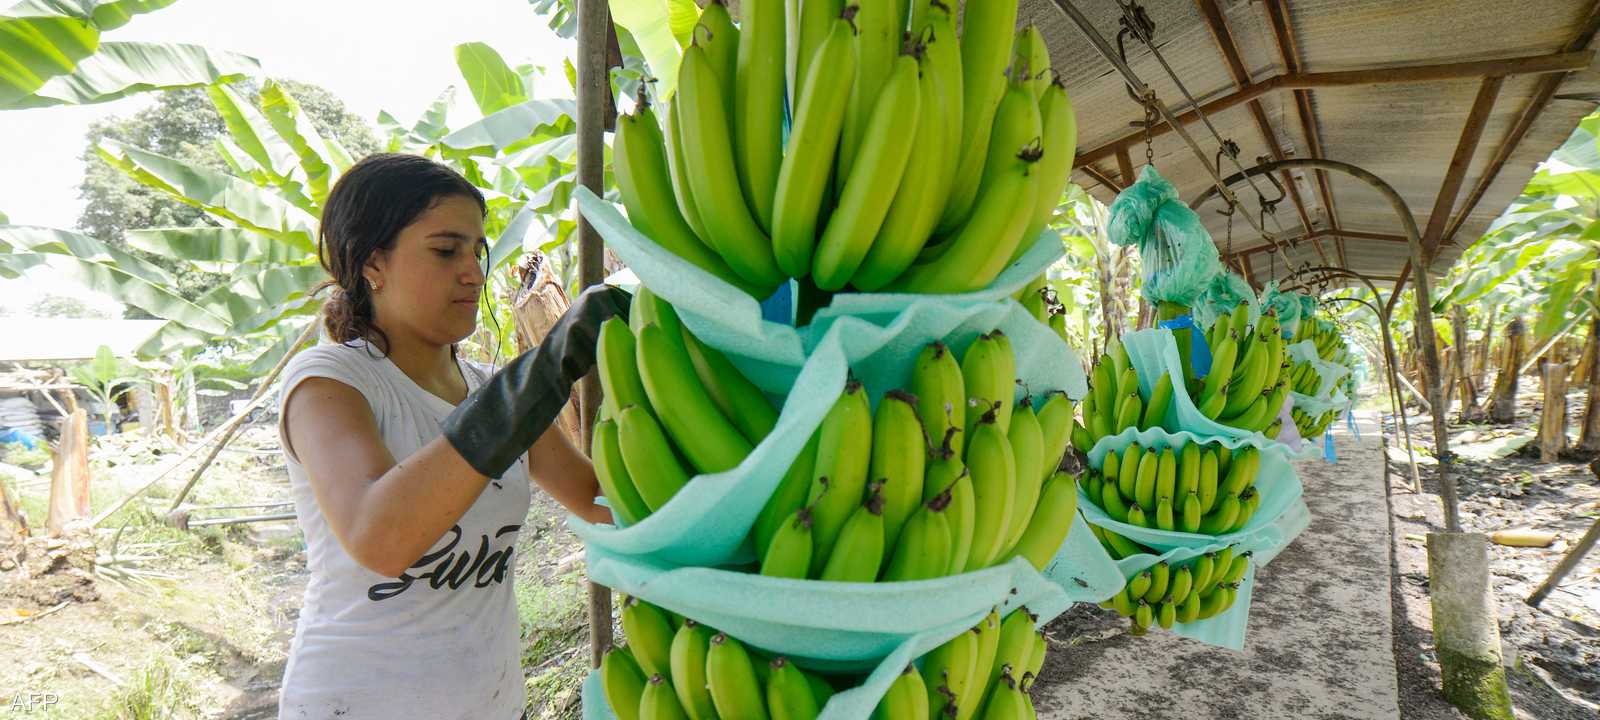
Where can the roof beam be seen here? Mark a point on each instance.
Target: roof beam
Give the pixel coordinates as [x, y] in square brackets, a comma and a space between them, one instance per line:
[1125, 165]
[1533, 64]
[1322, 233]
[1466, 147]
[1289, 52]
[1218, 24]
[1102, 178]
[1543, 92]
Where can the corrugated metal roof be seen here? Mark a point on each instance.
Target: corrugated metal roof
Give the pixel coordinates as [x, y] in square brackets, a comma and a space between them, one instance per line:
[1404, 132]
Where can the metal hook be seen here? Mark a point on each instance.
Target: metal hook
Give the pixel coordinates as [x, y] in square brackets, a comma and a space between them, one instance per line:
[1229, 148]
[1144, 23]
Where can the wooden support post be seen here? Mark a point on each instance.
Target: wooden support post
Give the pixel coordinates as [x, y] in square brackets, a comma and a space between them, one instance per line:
[69, 474]
[1503, 404]
[1589, 439]
[1463, 365]
[594, 90]
[1553, 421]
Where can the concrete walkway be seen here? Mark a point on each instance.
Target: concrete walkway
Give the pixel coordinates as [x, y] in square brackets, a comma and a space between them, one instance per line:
[1320, 641]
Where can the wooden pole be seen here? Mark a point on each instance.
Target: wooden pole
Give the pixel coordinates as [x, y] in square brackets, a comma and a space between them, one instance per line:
[594, 90]
[1553, 420]
[69, 474]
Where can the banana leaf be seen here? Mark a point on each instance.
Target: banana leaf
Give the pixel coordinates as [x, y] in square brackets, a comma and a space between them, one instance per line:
[214, 249]
[494, 85]
[513, 127]
[297, 131]
[114, 281]
[661, 29]
[253, 134]
[45, 39]
[120, 69]
[83, 247]
[223, 196]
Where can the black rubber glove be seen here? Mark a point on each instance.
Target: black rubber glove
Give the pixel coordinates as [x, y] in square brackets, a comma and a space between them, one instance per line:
[499, 421]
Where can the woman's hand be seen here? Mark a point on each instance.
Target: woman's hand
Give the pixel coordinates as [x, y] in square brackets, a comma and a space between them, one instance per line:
[567, 475]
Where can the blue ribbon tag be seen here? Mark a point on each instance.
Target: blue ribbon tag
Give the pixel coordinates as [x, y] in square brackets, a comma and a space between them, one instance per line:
[1350, 422]
[780, 307]
[1199, 350]
[1327, 447]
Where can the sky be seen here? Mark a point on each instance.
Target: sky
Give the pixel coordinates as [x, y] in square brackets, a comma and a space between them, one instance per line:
[394, 55]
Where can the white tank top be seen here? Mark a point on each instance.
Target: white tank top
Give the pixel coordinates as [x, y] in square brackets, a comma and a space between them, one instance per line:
[440, 641]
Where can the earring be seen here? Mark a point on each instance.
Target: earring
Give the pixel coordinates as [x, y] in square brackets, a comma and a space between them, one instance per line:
[374, 285]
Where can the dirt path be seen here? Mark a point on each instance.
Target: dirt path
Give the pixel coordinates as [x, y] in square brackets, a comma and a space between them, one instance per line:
[1318, 645]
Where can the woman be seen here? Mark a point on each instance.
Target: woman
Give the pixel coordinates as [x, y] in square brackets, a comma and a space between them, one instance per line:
[408, 463]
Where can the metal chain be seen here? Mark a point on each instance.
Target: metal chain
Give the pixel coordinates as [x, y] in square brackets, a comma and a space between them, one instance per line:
[1149, 102]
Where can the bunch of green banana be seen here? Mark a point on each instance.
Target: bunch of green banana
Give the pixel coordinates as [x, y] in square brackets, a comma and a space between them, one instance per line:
[692, 672]
[1325, 335]
[1204, 489]
[1248, 381]
[1115, 401]
[1198, 589]
[911, 163]
[979, 673]
[1305, 379]
[1310, 426]
[673, 408]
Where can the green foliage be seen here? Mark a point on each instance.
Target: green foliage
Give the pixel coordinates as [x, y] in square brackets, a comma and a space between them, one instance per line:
[107, 378]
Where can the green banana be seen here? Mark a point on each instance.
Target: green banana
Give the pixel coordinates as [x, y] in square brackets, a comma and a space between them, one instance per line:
[1236, 569]
[735, 690]
[678, 166]
[1143, 615]
[875, 174]
[877, 41]
[789, 496]
[941, 394]
[1031, 46]
[1220, 566]
[1211, 604]
[1248, 502]
[713, 179]
[1188, 469]
[649, 634]
[925, 546]
[710, 442]
[1204, 566]
[1190, 514]
[1248, 379]
[915, 207]
[645, 182]
[944, 50]
[993, 468]
[816, 20]
[721, 40]
[1221, 519]
[789, 692]
[1166, 474]
[744, 404]
[982, 245]
[820, 689]
[1155, 412]
[899, 455]
[1242, 474]
[612, 473]
[1128, 471]
[1208, 483]
[1036, 659]
[659, 701]
[985, 48]
[813, 139]
[1139, 518]
[1167, 615]
[988, 630]
[1055, 429]
[1182, 582]
[1045, 532]
[1012, 654]
[690, 647]
[1140, 584]
[758, 103]
[844, 452]
[1164, 519]
[1111, 466]
[1144, 493]
[989, 374]
[1104, 385]
[648, 458]
[789, 554]
[907, 698]
[857, 555]
[1016, 125]
[949, 672]
[963, 521]
[618, 368]
[1129, 409]
[1122, 602]
[1027, 452]
[1111, 501]
[1223, 356]
[622, 682]
[1160, 583]
[1189, 611]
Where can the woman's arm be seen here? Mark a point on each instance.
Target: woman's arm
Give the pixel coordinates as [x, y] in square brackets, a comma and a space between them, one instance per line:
[386, 513]
[566, 474]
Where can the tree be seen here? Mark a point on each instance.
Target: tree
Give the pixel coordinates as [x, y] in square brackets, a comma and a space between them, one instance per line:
[185, 125]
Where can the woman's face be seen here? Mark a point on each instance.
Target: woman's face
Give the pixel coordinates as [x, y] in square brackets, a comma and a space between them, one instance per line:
[428, 284]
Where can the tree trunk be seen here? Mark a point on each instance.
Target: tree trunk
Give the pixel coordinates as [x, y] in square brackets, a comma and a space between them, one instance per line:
[1463, 365]
[1503, 404]
[1553, 419]
[1480, 363]
[1589, 440]
[538, 305]
[69, 474]
[1447, 374]
[13, 524]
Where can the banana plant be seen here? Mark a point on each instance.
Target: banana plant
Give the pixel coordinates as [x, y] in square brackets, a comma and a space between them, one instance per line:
[55, 53]
[107, 379]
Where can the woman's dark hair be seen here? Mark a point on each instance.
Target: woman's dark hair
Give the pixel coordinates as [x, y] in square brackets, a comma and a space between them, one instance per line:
[367, 208]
